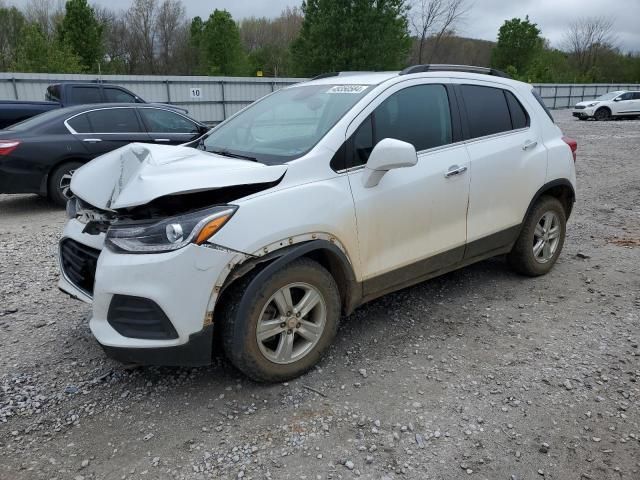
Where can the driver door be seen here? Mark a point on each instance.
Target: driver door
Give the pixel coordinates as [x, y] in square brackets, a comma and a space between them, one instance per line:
[413, 222]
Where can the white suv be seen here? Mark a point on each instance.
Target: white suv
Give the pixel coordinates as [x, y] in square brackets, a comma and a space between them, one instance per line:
[308, 203]
[613, 104]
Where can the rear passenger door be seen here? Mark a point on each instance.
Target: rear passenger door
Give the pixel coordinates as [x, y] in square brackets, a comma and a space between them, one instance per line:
[508, 164]
[105, 129]
[168, 127]
[413, 222]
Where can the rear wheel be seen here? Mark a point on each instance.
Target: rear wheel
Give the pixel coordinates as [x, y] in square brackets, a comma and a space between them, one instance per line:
[60, 181]
[289, 321]
[602, 114]
[541, 239]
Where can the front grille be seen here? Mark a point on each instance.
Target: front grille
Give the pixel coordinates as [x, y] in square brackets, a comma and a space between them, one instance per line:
[78, 262]
[580, 107]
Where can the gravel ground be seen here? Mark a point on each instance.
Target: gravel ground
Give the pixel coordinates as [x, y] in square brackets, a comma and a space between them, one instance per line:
[477, 374]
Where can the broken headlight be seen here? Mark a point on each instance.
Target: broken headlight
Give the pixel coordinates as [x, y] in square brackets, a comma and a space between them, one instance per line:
[170, 233]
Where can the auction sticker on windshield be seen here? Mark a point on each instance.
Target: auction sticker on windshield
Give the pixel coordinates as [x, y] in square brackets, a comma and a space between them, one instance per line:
[347, 89]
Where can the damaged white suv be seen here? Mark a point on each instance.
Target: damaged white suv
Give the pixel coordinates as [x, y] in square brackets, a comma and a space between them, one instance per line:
[308, 203]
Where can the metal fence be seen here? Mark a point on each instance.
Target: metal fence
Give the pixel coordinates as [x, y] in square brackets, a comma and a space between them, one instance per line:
[208, 99]
[567, 95]
[213, 99]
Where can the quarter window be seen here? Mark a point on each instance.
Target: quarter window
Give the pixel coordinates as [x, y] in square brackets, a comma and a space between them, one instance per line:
[418, 115]
[114, 120]
[519, 117]
[80, 124]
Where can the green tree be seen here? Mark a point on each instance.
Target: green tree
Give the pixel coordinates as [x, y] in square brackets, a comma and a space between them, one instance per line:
[37, 54]
[81, 30]
[218, 41]
[519, 42]
[12, 23]
[351, 35]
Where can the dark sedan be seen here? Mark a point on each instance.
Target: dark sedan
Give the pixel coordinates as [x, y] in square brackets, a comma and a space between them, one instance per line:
[40, 154]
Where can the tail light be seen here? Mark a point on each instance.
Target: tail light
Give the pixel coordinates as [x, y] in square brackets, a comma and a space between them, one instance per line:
[8, 146]
[573, 145]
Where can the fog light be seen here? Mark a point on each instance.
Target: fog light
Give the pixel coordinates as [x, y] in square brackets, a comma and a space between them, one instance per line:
[174, 232]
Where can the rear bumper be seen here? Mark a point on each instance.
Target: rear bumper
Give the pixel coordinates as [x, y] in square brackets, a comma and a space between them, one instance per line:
[18, 180]
[195, 352]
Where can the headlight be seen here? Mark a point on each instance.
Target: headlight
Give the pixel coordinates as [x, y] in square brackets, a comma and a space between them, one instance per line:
[592, 104]
[169, 234]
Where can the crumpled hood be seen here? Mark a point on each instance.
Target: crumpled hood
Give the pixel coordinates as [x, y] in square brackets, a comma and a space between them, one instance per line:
[139, 173]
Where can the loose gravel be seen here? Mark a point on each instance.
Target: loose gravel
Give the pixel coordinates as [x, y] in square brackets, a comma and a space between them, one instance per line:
[478, 374]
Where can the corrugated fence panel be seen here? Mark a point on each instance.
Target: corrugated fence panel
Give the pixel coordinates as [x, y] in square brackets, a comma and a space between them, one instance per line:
[212, 99]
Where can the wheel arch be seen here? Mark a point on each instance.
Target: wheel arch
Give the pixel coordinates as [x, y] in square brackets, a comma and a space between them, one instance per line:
[325, 252]
[44, 184]
[560, 188]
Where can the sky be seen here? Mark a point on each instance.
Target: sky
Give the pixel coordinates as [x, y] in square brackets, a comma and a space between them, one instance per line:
[486, 16]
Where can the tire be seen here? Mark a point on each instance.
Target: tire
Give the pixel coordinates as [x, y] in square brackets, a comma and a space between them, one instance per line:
[59, 182]
[249, 306]
[602, 114]
[523, 257]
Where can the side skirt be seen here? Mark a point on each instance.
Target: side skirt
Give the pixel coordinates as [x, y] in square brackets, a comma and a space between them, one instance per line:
[498, 243]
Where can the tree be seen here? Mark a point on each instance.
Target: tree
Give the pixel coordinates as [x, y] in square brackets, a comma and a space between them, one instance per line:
[435, 18]
[218, 40]
[586, 38]
[171, 28]
[12, 23]
[142, 35]
[519, 42]
[81, 30]
[37, 54]
[351, 35]
[47, 14]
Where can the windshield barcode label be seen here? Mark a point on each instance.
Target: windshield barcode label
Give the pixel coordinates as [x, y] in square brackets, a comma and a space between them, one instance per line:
[347, 89]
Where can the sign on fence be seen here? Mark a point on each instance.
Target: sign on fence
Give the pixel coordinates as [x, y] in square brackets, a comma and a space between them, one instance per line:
[196, 93]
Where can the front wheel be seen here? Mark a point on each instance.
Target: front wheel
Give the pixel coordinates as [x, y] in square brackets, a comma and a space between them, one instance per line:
[60, 182]
[541, 238]
[278, 329]
[602, 114]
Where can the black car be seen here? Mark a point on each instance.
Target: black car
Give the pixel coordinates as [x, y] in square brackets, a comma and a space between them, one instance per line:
[40, 154]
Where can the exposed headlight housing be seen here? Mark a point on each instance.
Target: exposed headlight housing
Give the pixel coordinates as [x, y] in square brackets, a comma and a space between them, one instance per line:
[169, 234]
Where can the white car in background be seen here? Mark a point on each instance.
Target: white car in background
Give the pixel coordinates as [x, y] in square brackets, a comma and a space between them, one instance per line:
[621, 103]
[308, 203]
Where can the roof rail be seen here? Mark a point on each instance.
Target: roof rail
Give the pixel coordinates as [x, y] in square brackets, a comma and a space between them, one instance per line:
[326, 75]
[433, 67]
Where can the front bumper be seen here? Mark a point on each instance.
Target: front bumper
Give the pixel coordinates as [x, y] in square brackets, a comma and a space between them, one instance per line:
[583, 112]
[181, 283]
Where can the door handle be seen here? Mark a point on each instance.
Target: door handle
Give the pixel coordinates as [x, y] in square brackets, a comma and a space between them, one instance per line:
[455, 170]
[92, 140]
[161, 140]
[529, 144]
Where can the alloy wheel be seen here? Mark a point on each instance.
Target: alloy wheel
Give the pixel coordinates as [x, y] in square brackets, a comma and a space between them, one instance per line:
[546, 237]
[291, 323]
[65, 183]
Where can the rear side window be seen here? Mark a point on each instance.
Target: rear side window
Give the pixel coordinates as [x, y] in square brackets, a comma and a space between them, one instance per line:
[636, 95]
[80, 123]
[487, 110]
[519, 117]
[115, 95]
[114, 120]
[82, 95]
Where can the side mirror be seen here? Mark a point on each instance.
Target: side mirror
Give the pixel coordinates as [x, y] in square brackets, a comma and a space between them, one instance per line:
[388, 154]
[617, 99]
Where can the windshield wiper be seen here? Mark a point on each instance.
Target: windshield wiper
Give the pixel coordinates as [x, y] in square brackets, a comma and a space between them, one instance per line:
[227, 153]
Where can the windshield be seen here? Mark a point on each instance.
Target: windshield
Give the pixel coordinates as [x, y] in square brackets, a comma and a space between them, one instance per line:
[609, 96]
[285, 125]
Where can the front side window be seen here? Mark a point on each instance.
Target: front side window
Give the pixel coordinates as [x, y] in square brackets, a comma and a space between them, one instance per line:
[626, 96]
[115, 95]
[285, 125]
[114, 120]
[418, 115]
[163, 121]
